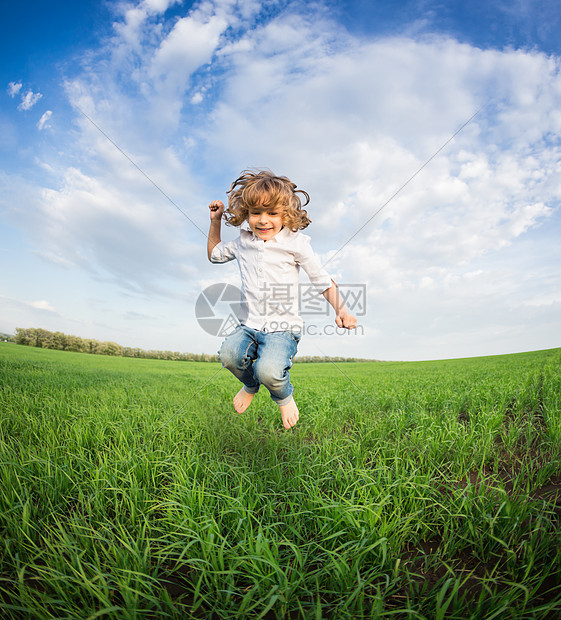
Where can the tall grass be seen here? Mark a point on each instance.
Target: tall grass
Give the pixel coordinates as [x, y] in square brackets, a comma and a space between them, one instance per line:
[130, 489]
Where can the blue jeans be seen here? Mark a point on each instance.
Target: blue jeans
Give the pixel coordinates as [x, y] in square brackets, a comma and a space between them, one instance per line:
[257, 358]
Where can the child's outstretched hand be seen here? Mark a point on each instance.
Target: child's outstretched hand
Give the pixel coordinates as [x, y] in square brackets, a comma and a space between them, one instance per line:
[216, 209]
[346, 320]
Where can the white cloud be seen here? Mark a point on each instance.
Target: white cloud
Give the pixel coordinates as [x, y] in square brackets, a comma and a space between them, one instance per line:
[42, 305]
[29, 100]
[132, 29]
[351, 122]
[189, 45]
[116, 235]
[44, 120]
[14, 88]
[354, 125]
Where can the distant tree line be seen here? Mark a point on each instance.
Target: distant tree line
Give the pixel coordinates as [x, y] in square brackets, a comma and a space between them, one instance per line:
[44, 339]
[306, 359]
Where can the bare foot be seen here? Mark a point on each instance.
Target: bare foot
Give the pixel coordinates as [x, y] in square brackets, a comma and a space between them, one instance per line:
[242, 400]
[290, 414]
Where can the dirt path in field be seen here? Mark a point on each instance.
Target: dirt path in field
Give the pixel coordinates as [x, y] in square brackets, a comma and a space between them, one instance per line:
[427, 567]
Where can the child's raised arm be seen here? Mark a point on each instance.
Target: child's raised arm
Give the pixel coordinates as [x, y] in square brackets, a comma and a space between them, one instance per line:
[216, 210]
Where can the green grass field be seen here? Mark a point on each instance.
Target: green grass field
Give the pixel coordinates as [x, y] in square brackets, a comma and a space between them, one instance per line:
[131, 489]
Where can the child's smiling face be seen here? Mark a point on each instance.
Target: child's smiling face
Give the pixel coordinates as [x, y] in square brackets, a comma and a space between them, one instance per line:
[265, 222]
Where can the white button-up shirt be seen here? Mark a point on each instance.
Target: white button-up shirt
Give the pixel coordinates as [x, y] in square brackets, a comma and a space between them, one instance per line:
[269, 272]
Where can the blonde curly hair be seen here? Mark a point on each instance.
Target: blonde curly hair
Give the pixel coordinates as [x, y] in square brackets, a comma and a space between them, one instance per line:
[263, 189]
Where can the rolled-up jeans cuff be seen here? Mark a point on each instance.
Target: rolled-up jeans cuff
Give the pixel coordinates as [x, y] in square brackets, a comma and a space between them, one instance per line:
[283, 401]
[251, 390]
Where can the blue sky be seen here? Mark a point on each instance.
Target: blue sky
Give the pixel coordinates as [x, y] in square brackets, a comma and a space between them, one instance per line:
[349, 99]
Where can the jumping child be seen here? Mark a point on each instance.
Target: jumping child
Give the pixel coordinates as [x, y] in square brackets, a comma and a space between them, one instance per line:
[261, 349]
